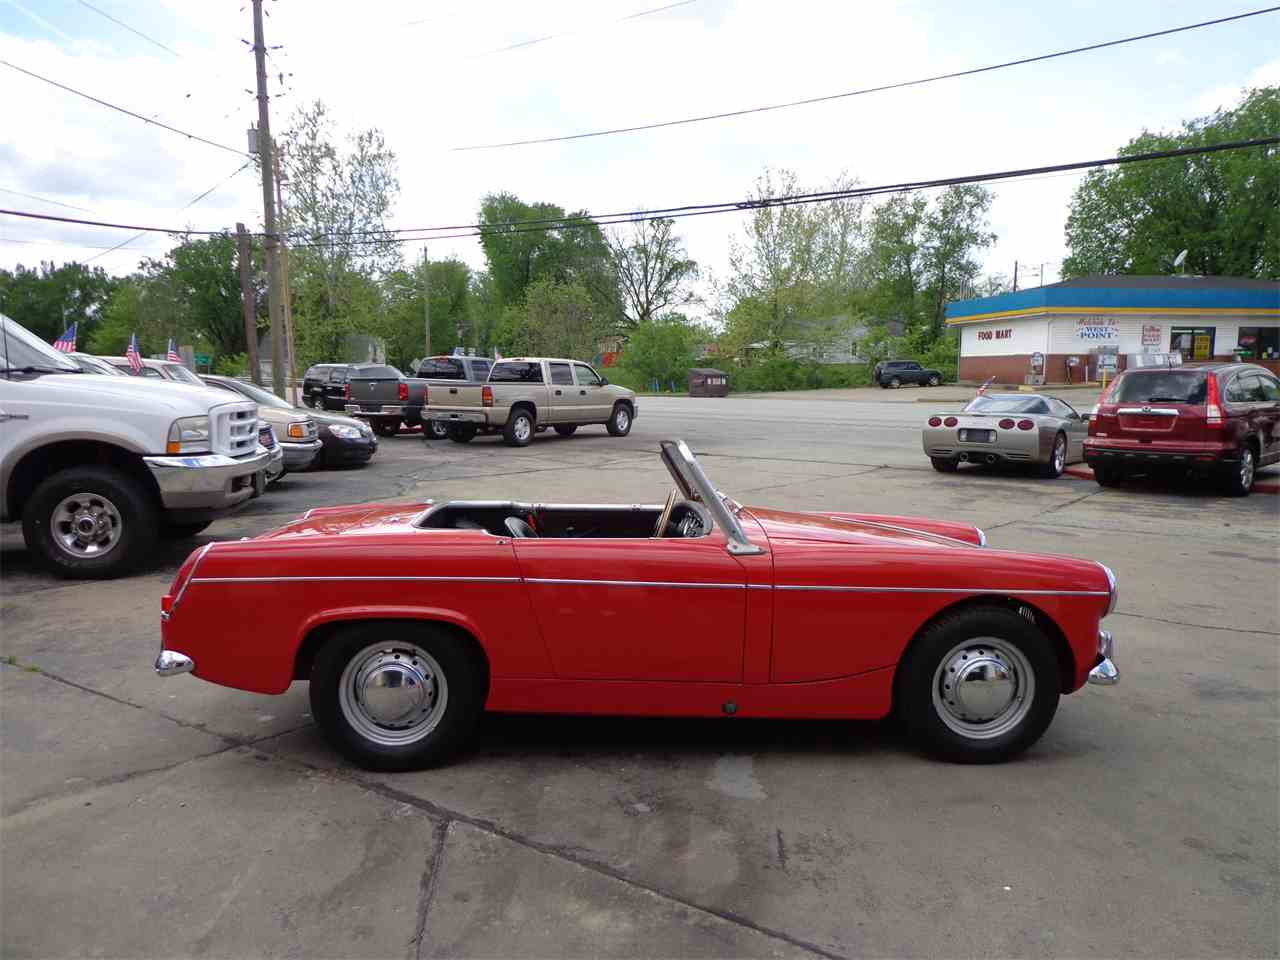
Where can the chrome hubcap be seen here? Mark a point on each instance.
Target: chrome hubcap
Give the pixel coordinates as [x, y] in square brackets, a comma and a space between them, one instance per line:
[1059, 454]
[624, 419]
[523, 428]
[393, 694]
[86, 525]
[1246, 468]
[983, 688]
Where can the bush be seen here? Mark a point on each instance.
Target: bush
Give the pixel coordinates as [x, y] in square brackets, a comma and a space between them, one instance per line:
[232, 365]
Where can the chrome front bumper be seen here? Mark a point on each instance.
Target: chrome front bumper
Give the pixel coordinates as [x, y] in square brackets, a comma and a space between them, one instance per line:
[208, 481]
[1106, 673]
[170, 663]
[298, 456]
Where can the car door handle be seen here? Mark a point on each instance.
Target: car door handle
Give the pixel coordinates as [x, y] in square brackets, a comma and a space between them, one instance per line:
[12, 416]
[453, 389]
[559, 393]
[582, 393]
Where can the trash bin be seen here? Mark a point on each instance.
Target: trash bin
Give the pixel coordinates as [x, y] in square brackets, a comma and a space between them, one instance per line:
[708, 382]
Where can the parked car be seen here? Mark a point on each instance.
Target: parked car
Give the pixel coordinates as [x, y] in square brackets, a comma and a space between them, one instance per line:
[1007, 428]
[156, 369]
[97, 467]
[343, 440]
[702, 607]
[1220, 420]
[91, 364]
[295, 430]
[526, 394]
[894, 373]
[384, 396]
[324, 386]
[446, 373]
[267, 439]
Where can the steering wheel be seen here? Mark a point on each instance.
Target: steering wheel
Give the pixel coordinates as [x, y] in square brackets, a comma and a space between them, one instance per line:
[660, 530]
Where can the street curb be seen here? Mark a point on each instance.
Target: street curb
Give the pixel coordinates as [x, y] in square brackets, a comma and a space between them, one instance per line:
[1264, 486]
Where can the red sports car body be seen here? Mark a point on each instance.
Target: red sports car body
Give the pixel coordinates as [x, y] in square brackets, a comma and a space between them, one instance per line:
[409, 619]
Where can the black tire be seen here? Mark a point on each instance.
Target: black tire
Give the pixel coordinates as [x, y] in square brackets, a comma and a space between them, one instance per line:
[895, 383]
[386, 428]
[464, 685]
[180, 531]
[1238, 481]
[1053, 469]
[435, 430]
[945, 464]
[520, 427]
[620, 420]
[135, 537]
[1107, 476]
[882, 385]
[934, 380]
[566, 429]
[462, 433]
[984, 633]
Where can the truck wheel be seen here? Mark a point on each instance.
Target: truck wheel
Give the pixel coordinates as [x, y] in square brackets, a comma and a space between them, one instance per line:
[619, 424]
[463, 433]
[436, 429]
[566, 429]
[978, 686]
[520, 427]
[396, 699]
[386, 428]
[180, 531]
[90, 522]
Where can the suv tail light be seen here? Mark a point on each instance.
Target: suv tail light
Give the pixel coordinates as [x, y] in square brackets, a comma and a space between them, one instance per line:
[346, 391]
[1026, 425]
[486, 396]
[935, 421]
[1006, 424]
[402, 393]
[1213, 402]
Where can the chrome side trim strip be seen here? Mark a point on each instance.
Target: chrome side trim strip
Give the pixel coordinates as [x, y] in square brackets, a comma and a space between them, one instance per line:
[638, 583]
[1011, 590]
[396, 579]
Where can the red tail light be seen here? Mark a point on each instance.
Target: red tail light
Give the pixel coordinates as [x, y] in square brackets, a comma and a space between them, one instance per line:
[1026, 425]
[935, 421]
[403, 392]
[486, 396]
[346, 391]
[1006, 424]
[1213, 402]
[950, 421]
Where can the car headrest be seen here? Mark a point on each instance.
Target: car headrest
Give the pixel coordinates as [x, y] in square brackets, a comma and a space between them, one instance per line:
[518, 528]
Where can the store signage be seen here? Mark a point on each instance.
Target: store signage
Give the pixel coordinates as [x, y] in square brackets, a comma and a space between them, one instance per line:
[1097, 328]
[995, 334]
[1152, 334]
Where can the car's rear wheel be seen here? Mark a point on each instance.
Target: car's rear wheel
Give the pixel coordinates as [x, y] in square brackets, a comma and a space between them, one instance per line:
[436, 429]
[396, 697]
[978, 686]
[462, 433]
[566, 429]
[520, 427]
[1107, 476]
[895, 383]
[945, 464]
[934, 380]
[386, 428]
[1057, 458]
[619, 424]
[1239, 481]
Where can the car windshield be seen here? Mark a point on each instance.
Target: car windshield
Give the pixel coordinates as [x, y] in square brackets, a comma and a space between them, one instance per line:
[264, 398]
[94, 365]
[1162, 386]
[693, 484]
[1003, 405]
[21, 349]
[180, 373]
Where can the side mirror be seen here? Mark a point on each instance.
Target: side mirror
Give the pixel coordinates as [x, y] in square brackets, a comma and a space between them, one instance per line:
[604, 381]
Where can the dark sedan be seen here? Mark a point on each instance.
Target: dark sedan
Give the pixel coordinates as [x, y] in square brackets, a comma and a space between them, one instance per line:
[345, 441]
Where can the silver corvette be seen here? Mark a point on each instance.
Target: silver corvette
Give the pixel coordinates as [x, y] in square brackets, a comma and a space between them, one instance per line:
[1007, 428]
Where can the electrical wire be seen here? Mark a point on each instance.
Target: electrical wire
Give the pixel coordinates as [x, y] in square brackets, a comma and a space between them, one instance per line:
[32, 196]
[121, 23]
[866, 90]
[569, 33]
[119, 109]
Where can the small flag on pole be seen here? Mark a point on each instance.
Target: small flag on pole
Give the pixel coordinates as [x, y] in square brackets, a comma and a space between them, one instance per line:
[133, 355]
[457, 352]
[173, 354]
[67, 342]
[985, 383]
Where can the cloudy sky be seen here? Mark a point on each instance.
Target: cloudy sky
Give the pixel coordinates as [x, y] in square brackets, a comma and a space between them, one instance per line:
[434, 76]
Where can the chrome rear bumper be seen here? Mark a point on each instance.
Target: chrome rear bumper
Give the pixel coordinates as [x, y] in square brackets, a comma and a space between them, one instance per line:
[170, 663]
[1106, 673]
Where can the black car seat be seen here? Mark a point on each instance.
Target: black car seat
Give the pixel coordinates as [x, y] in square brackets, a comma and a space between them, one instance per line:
[519, 529]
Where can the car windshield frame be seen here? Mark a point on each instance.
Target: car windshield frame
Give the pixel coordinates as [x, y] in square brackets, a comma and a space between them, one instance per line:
[693, 484]
[47, 359]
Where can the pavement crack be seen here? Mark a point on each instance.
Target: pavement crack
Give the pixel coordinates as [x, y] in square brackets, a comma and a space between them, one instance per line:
[1196, 626]
[782, 850]
[430, 881]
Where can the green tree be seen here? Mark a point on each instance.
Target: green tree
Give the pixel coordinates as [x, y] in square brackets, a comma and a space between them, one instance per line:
[1222, 208]
[205, 282]
[451, 325]
[662, 349]
[655, 273]
[557, 320]
[48, 299]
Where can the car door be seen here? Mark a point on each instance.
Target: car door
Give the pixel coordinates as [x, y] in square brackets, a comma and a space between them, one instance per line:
[1264, 393]
[1077, 428]
[638, 608]
[595, 400]
[568, 404]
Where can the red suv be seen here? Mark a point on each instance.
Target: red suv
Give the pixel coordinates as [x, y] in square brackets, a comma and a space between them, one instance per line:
[1208, 419]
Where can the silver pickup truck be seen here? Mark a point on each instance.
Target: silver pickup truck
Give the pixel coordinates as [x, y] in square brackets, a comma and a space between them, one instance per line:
[524, 395]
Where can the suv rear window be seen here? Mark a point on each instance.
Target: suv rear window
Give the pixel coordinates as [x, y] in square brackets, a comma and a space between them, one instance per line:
[1163, 386]
[374, 373]
[516, 373]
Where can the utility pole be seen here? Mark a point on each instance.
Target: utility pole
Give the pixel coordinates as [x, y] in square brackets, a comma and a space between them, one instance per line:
[426, 301]
[246, 302]
[288, 300]
[1015, 276]
[275, 300]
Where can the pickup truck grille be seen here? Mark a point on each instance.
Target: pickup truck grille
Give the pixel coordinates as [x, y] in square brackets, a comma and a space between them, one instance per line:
[234, 428]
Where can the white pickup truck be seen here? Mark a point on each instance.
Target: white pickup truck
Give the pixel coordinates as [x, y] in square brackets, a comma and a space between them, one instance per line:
[525, 395]
[98, 468]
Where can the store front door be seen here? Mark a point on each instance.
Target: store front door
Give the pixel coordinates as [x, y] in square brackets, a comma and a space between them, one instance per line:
[1194, 343]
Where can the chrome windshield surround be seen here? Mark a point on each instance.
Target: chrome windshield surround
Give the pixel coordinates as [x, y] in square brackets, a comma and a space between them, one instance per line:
[689, 479]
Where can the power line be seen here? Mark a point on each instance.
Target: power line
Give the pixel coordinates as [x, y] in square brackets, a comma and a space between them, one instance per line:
[121, 23]
[32, 196]
[569, 33]
[866, 90]
[118, 109]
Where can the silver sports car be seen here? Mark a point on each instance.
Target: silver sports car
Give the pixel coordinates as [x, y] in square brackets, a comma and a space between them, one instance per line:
[1007, 428]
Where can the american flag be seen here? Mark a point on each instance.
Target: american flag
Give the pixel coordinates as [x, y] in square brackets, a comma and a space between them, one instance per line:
[67, 342]
[985, 383]
[133, 355]
[173, 355]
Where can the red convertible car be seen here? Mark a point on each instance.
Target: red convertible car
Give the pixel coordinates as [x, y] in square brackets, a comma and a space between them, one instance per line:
[410, 620]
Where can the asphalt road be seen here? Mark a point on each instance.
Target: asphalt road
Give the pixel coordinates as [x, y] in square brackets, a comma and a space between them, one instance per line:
[141, 817]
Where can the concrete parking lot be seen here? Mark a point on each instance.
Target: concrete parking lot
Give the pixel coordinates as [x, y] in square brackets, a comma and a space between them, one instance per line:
[148, 817]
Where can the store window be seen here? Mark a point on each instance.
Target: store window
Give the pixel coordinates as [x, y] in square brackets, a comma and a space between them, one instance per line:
[1259, 343]
[1194, 343]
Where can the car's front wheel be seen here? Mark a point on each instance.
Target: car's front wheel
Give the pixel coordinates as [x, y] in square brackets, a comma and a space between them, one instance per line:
[934, 380]
[397, 697]
[1107, 476]
[619, 424]
[978, 686]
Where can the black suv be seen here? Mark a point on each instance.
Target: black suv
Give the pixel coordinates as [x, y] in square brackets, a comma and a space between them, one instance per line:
[894, 373]
[324, 386]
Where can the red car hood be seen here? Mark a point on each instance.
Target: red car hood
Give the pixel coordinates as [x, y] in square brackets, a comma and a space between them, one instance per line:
[364, 518]
[863, 527]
